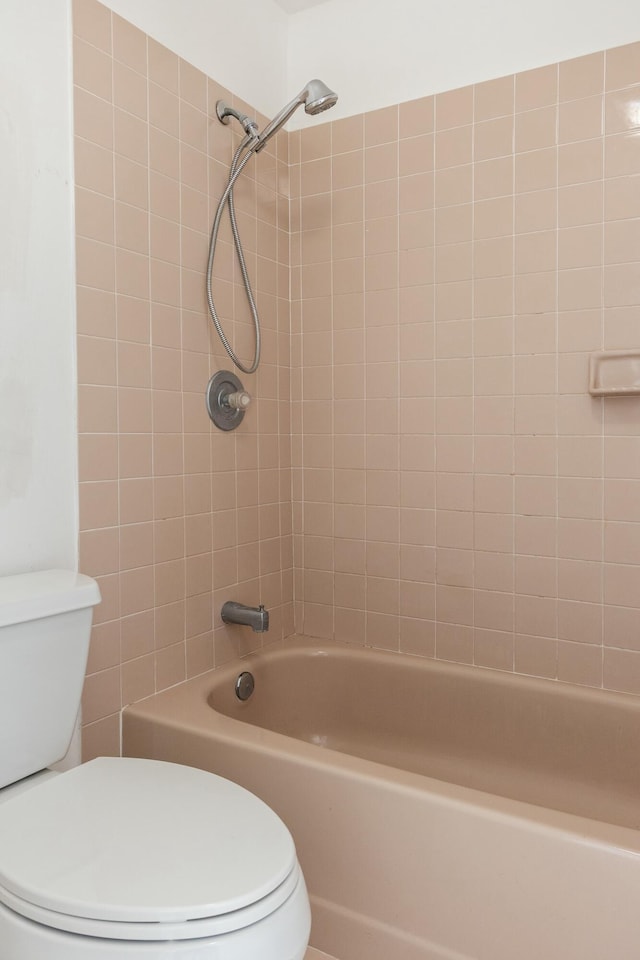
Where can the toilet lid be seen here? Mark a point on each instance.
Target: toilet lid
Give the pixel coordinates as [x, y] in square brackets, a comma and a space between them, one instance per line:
[141, 841]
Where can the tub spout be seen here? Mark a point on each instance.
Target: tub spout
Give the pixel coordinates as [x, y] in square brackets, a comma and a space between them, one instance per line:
[255, 617]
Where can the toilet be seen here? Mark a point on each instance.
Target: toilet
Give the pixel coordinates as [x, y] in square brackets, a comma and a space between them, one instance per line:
[119, 857]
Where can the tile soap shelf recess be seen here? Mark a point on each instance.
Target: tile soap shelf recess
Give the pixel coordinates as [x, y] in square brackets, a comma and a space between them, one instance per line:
[615, 373]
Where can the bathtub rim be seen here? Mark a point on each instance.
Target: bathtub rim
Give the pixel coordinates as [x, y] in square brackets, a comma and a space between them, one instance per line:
[186, 707]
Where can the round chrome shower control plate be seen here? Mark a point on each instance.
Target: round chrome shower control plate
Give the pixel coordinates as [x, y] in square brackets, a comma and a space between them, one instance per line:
[245, 685]
[226, 400]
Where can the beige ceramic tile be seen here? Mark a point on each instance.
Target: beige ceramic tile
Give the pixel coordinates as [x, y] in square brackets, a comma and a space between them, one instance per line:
[428, 266]
[92, 22]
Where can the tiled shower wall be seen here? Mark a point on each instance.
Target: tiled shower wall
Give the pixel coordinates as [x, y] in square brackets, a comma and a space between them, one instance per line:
[457, 492]
[175, 516]
[454, 260]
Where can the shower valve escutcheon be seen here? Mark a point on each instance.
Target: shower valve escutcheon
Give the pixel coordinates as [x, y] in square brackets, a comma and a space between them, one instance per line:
[227, 400]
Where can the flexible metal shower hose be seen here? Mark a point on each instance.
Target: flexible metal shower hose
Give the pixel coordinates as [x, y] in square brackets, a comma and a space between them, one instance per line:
[237, 165]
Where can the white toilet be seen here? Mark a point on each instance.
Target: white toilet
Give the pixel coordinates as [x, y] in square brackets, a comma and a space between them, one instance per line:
[118, 857]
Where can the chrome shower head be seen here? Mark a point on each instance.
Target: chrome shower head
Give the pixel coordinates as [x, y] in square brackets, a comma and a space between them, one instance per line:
[316, 97]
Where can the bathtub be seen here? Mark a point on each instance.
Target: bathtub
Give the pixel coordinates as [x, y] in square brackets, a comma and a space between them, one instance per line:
[439, 811]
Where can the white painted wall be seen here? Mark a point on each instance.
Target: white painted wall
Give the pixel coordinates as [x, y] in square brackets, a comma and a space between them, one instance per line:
[375, 53]
[240, 43]
[38, 512]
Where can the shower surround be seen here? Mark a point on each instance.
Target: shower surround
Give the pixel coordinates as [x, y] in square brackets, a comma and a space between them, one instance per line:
[457, 492]
[432, 278]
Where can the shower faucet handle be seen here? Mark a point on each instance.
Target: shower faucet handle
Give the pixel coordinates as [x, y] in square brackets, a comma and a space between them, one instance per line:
[239, 400]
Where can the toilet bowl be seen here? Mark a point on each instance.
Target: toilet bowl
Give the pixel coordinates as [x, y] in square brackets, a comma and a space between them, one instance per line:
[124, 857]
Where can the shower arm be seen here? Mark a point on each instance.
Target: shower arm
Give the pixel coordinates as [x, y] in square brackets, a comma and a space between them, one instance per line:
[224, 111]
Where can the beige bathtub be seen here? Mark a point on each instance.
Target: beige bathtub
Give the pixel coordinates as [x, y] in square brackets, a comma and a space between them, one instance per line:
[438, 811]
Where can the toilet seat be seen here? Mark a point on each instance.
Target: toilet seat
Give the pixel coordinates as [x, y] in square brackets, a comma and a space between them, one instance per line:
[103, 851]
[131, 931]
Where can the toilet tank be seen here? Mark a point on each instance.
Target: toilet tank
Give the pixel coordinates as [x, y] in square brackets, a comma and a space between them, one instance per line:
[45, 624]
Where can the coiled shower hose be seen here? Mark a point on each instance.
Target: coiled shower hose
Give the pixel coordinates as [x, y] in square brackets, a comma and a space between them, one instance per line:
[238, 163]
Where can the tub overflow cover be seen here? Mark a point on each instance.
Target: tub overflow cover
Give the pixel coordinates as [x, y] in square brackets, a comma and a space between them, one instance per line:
[245, 685]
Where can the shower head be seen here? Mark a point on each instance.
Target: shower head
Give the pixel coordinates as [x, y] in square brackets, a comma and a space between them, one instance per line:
[316, 97]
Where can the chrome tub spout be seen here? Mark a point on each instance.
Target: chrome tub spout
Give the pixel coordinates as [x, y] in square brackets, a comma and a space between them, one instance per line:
[255, 617]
